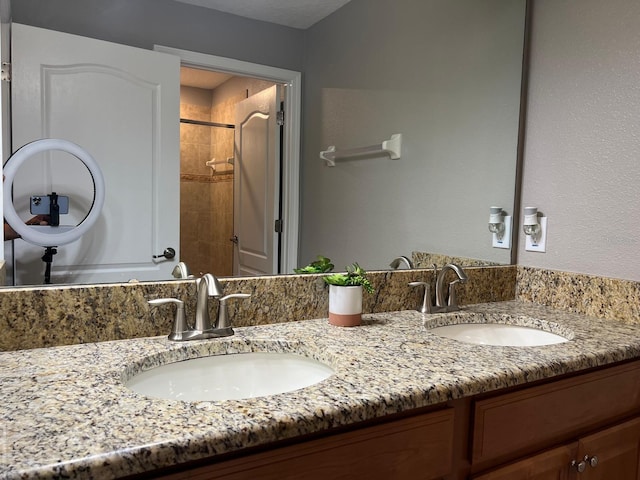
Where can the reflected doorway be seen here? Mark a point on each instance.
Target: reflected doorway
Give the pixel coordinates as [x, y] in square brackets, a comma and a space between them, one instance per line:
[290, 172]
[208, 102]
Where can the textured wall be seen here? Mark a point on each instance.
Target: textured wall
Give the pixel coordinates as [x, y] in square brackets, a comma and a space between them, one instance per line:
[582, 151]
[447, 76]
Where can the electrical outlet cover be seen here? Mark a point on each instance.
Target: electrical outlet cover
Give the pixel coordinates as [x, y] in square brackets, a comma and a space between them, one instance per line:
[505, 241]
[541, 244]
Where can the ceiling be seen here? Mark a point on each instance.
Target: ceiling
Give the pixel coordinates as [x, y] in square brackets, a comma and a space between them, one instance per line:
[192, 77]
[291, 13]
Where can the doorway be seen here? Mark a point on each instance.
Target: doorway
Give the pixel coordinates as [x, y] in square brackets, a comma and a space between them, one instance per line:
[292, 82]
[208, 104]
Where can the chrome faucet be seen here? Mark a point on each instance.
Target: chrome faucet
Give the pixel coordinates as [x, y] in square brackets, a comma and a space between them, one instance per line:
[449, 304]
[206, 287]
[395, 263]
[181, 270]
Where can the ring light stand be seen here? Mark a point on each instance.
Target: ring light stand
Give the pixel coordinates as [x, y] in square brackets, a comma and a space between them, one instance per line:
[41, 236]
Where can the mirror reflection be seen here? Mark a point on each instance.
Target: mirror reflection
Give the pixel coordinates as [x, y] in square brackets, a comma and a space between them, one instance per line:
[445, 76]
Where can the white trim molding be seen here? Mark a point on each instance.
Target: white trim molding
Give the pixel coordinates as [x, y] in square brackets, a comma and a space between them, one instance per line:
[291, 145]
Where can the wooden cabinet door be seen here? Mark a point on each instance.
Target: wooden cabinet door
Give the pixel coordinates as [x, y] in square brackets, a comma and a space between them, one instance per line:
[550, 465]
[617, 450]
[417, 447]
[515, 424]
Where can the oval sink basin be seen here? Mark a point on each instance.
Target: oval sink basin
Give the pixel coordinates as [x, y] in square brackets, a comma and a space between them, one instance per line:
[498, 334]
[230, 377]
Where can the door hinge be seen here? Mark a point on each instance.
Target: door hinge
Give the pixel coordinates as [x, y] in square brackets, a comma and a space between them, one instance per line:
[278, 226]
[5, 73]
[280, 118]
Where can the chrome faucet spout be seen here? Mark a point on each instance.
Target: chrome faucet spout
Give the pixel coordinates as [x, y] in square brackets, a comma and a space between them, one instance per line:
[181, 270]
[207, 286]
[395, 263]
[440, 294]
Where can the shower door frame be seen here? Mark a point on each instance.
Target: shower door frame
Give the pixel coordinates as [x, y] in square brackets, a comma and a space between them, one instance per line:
[289, 189]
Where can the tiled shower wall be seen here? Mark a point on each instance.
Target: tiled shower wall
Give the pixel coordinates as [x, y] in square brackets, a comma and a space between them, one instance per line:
[206, 198]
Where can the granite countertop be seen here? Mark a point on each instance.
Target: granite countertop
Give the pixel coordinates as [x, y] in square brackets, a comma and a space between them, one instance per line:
[64, 412]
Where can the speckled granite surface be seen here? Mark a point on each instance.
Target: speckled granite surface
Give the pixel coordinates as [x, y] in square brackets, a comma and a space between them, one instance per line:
[64, 412]
[426, 260]
[607, 298]
[50, 316]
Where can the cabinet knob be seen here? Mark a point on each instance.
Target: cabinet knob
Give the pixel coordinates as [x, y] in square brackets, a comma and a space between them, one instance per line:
[579, 466]
[593, 461]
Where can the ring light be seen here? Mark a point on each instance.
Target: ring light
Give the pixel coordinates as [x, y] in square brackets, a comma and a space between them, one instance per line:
[37, 236]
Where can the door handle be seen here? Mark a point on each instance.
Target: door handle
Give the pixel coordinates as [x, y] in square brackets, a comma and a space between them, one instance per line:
[234, 239]
[168, 253]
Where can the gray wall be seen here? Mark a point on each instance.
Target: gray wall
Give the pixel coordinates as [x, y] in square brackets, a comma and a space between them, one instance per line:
[447, 76]
[582, 155]
[143, 23]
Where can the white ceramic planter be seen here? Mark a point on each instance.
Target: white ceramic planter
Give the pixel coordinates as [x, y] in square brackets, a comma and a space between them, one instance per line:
[345, 305]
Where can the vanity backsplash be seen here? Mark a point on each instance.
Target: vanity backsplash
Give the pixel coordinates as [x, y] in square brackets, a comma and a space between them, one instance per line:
[52, 316]
[602, 297]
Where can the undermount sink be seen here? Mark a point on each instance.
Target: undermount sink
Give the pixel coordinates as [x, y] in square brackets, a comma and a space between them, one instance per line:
[230, 377]
[519, 332]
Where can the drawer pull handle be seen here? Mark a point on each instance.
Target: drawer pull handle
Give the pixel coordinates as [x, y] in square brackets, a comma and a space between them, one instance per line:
[593, 461]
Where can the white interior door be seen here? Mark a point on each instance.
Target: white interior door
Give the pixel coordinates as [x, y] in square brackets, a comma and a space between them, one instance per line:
[121, 104]
[5, 121]
[256, 187]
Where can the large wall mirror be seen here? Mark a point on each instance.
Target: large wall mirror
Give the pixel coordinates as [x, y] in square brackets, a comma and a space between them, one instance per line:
[445, 75]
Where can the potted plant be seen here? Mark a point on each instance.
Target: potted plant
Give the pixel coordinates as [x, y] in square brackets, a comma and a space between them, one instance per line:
[345, 295]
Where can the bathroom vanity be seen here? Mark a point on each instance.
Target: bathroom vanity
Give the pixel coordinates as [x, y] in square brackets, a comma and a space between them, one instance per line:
[586, 425]
[402, 403]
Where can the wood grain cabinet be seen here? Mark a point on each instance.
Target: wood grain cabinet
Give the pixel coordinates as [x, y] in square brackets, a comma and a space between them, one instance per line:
[585, 426]
[611, 454]
[551, 465]
[591, 421]
[418, 447]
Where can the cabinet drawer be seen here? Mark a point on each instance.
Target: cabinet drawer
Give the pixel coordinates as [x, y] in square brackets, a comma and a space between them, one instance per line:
[550, 465]
[532, 418]
[415, 447]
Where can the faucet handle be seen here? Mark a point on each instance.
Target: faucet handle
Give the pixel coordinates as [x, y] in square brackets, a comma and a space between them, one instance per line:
[223, 313]
[426, 306]
[179, 322]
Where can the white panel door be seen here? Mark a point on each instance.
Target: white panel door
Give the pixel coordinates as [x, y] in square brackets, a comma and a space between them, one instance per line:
[256, 187]
[5, 131]
[122, 105]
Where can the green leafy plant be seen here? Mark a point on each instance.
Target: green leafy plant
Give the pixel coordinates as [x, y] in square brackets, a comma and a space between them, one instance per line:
[354, 276]
[322, 265]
